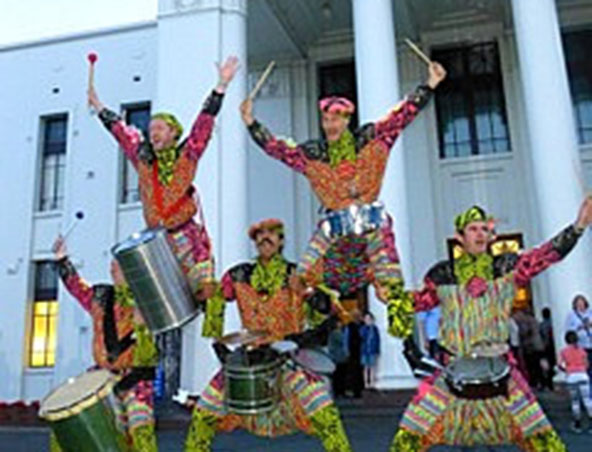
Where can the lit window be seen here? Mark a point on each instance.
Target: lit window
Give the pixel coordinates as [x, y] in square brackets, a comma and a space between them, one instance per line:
[44, 316]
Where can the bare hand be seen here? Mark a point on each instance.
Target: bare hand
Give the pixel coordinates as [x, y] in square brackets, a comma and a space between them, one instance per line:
[437, 74]
[207, 291]
[585, 215]
[296, 284]
[246, 110]
[93, 99]
[226, 73]
[59, 248]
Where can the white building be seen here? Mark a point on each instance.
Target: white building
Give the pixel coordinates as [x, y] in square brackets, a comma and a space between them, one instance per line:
[503, 134]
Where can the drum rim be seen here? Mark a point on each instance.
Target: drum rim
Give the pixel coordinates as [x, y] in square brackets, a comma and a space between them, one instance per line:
[317, 351]
[179, 323]
[276, 364]
[78, 407]
[117, 248]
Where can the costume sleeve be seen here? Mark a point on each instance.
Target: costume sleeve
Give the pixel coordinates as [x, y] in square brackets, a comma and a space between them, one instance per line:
[76, 286]
[400, 310]
[389, 128]
[227, 285]
[201, 131]
[426, 298]
[128, 137]
[533, 262]
[288, 153]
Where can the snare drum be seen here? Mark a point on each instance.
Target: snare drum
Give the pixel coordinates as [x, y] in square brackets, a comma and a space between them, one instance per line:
[480, 377]
[314, 360]
[81, 414]
[355, 219]
[155, 277]
[252, 381]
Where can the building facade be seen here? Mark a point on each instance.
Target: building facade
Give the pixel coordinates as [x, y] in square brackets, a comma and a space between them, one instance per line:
[511, 130]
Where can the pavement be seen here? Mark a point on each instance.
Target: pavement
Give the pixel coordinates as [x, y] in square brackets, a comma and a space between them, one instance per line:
[370, 423]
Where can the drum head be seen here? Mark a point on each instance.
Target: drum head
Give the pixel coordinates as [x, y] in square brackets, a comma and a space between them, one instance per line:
[75, 390]
[315, 360]
[283, 347]
[135, 240]
[243, 337]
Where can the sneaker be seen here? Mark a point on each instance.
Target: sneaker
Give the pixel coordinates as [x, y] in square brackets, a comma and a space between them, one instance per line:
[576, 426]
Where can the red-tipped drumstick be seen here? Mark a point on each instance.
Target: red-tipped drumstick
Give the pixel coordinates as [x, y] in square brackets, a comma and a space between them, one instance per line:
[92, 58]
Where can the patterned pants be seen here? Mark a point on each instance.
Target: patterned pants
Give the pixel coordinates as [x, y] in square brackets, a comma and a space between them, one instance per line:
[435, 416]
[305, 406]
[134, 416]
[376, 260]
[193, 249]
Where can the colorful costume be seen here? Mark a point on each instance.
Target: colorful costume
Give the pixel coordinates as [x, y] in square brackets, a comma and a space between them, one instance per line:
[267, 303]
[125, 347]
[475, 295]
[354, 244]
[166, 185]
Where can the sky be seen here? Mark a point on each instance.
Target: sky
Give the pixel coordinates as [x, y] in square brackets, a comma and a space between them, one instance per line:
[29, 20]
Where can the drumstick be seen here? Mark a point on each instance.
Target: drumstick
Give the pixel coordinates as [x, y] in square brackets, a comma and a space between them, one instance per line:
[418, 51]
[261, 80]
[92, 58]
[78, 216]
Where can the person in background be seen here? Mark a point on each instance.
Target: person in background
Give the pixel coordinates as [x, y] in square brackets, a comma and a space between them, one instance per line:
[546, 332]
[580, 320]
[573, 360]
[531, 346]
[429, 323]
[354, 378]
[370, 349]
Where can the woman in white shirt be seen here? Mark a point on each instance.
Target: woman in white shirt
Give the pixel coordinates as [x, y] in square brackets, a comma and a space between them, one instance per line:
[579, 320]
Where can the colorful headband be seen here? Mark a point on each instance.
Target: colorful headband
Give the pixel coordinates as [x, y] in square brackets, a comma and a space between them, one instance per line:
[171, 121]
[339, 105]
[472, 214]
[271, 224]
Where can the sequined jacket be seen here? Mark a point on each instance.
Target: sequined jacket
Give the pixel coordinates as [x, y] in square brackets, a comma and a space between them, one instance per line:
[349, 182]
[480, 314]
[115, 343]
[171, 205]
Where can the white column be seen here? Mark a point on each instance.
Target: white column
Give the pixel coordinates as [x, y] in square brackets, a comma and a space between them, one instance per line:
[378, 92]
[555, 156]
[192, 36]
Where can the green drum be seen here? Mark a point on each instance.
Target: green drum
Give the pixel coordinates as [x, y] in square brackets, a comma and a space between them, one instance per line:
[82, 416]
[252, 381]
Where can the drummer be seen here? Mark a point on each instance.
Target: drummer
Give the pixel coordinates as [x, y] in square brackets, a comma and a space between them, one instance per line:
[266, 302]
[166, 168]
[122, 344]
[476, 291]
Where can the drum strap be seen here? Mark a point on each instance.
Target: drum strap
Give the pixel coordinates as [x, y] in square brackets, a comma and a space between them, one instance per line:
[158, 199]
[114, 346]
[136, 375]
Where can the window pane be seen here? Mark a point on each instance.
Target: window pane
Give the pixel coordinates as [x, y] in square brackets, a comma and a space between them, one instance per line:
[53, 162]
[470, 103]
[577, 47]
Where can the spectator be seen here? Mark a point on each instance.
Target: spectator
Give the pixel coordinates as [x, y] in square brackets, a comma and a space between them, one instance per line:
[430, 323]
[580, 320]
[573, 359]
[531, 346]
[546, 332]
[339, 352]
[354, 377]
[370, 349]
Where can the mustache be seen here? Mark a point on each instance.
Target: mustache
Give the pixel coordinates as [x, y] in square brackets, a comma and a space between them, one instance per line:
[262, 241]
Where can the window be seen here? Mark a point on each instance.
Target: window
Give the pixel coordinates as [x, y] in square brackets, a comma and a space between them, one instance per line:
[139, 116]
[579, 67]
[44, 313]
[53, 164]
[470, 103]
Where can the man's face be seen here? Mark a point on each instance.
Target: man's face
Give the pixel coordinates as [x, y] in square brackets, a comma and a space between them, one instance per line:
[268, 243]
[333, 125]
[117, 273]
[162, 135]
[475, 237]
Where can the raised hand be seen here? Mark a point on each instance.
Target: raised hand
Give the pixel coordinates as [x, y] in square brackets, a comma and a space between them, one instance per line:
[585, 215]
[93, 99]
[59, 248]
[437, 74]
[246, 111]
[226, 73]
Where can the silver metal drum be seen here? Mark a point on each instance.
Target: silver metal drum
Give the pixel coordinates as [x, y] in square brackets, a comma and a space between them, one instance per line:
[155, 277]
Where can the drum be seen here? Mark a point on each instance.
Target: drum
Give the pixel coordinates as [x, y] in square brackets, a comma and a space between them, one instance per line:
[81, 414]
[314, 360]
[252, 380]
[478, 377]
[155, 277]
[355, 219]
